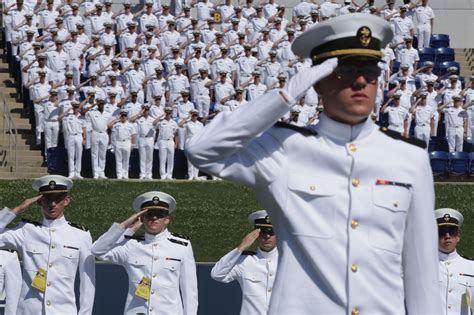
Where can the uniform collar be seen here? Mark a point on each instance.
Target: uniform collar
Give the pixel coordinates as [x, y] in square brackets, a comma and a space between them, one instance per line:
[343, 133]
[150, 238]
[267, 255]
[450, 256]
[52, 223]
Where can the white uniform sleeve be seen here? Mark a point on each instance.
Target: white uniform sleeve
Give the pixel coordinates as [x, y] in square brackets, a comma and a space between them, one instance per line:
[420, 248]
[14, 238]
[188, 283]
[225, 147]
[107, 246]
[87, 277]
[13, 283]
[226, 269]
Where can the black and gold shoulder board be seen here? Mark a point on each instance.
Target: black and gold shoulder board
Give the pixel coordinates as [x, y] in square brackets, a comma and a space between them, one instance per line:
[179, 235]
[303, 130]
[178, 241]
[248, 252]
[399, 136]
[466, 257]
[36, 223]
[78, 226]
[135, 237]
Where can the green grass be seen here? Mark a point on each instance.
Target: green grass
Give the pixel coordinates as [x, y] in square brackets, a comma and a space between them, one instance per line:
[212, 214]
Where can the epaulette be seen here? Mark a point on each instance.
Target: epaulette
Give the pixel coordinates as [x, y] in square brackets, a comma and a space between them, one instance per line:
[178, 241]
[303, 130]
[466, 257]
[399, 136]
[179, 235]
[135, 237]
[248, 252]
[35, 223]
[8, 250]
[78, 226]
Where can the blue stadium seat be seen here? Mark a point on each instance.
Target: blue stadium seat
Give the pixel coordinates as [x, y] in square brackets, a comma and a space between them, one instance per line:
[439, 40]
[57, 161]
[446, 64]
[458, 163]
[444, 54]
[396, 66]
[432, 144]
[439, 161]
[427, 54]
[471, 163]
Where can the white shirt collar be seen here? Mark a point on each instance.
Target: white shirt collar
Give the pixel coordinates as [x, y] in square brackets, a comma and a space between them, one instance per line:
[52, 223]
[267, 255]
[150, 238]
[450, 256]
[342, 133]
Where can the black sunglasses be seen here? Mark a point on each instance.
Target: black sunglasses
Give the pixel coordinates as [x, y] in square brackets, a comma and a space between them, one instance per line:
[452, 230]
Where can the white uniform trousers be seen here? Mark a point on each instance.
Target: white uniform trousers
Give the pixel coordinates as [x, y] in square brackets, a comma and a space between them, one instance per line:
[434, 131]
[166, 154]
[76, 73]
[193, 171]
[99, 143]
[57, 76]
[74, 153]
[51, 132]
[203, 105]
[39, 121]
[424, 35]
[423, 133]
[181, 137]
[455, 138]
[145, 150]
[122, 157]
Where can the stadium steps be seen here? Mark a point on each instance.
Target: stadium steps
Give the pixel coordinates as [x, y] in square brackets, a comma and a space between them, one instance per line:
[466, 63]
[28, 154]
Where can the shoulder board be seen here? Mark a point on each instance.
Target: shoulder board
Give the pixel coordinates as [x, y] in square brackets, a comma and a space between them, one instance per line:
[248, 252]
[466, 257]
[399, 136]
[178, 241]
[8, 250]
[36, 223]
[135, 237]
[303, 130]
[78, 226]
[179, 235]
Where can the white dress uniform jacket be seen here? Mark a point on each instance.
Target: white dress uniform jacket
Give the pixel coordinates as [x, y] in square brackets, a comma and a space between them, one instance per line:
[10, 280]
[60, 249]
[165, 259]
[255, 274]
[456, 283]
[348, 224]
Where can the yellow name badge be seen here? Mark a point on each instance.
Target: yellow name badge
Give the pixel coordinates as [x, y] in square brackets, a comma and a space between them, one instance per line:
[39, 282]
[143, 289]
[468, 298]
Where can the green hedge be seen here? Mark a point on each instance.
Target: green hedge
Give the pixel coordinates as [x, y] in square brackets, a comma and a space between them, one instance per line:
[212, 214]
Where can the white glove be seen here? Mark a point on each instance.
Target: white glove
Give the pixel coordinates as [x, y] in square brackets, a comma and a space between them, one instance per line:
[301, 82]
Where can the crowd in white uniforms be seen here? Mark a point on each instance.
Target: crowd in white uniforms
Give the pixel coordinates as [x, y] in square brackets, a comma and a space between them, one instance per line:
[129, 61]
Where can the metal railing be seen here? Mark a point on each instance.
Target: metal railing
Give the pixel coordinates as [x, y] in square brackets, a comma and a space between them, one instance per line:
[10, 130]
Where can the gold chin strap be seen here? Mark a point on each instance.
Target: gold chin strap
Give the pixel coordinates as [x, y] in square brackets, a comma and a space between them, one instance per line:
[155, 207]
[53, 192]
[448, 224]
[351, 51]
[264, 225]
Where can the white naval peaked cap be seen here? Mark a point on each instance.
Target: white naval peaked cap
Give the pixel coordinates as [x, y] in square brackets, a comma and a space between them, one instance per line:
[154, 200]
[52, 184]
[448, 216]
[358, 34]
[260, 218]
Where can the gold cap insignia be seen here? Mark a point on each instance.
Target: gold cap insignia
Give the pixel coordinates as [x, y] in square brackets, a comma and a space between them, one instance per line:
[447, 217]
[155, 200]
[52, 184]
[267, 219]
[365, 35]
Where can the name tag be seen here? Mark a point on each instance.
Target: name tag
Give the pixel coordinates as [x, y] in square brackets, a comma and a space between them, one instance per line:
[39, 282]
[143, 289]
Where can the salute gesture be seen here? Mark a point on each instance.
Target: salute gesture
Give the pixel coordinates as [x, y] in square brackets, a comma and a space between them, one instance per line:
[25, 204]
[248, 240]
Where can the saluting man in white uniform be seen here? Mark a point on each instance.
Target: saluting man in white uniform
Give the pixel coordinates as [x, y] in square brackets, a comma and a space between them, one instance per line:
[124, 135]
[160, 266]
[255, 271]
[146, 131]
[10, 280]
[53, 252]
[167, 130]
[191, 126]
[456, 273]
[74, 128]
[352, 204]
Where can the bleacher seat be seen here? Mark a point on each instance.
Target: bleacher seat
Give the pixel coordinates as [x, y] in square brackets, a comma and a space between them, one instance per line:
[458, 163]
[396, 66]
[439, 40]
[444, 54]
[57, 161]
[427, 54]
[471, 163]
[439, 161]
